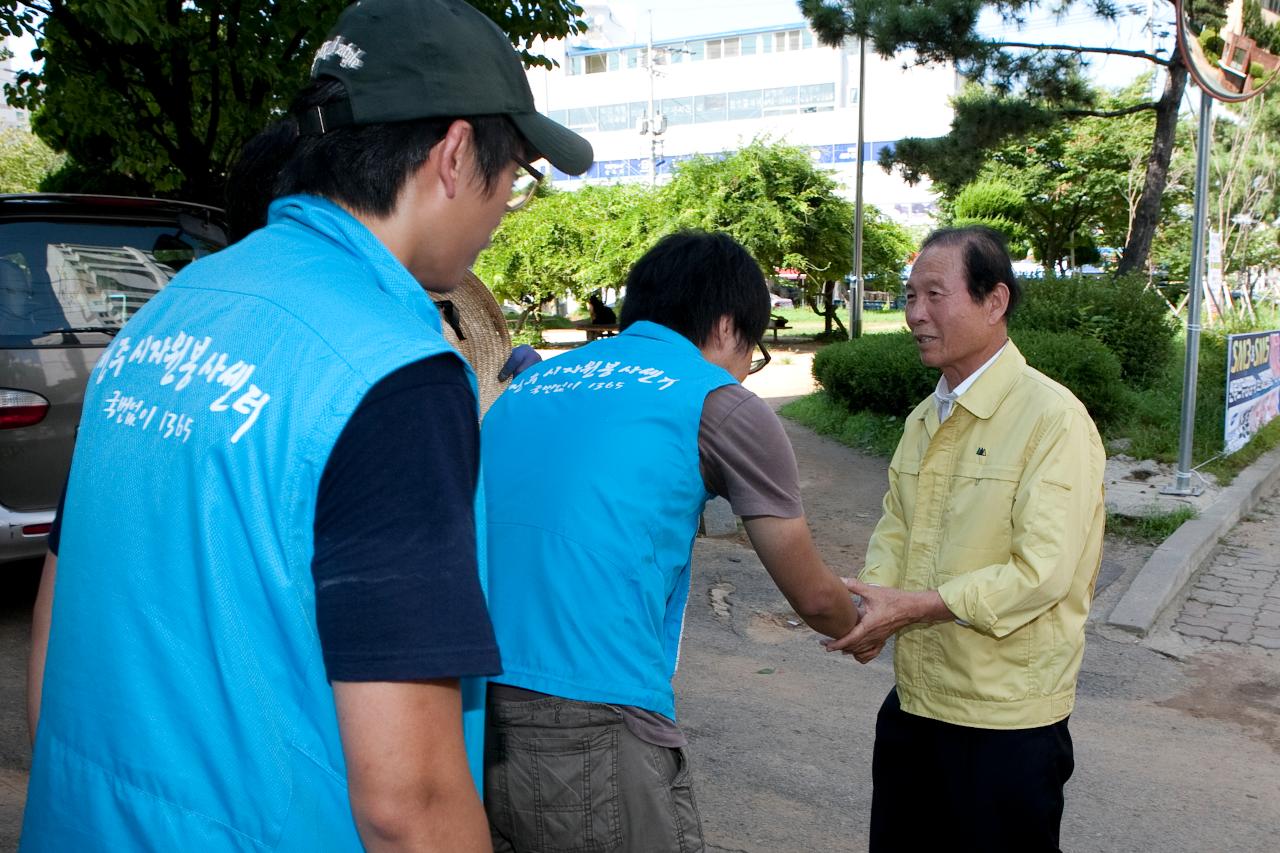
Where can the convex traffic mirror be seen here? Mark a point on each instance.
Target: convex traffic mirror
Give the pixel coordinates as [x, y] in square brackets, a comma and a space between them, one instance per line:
[1231, 47]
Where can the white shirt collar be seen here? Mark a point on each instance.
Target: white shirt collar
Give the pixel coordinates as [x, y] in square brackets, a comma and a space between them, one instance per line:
[944, 398]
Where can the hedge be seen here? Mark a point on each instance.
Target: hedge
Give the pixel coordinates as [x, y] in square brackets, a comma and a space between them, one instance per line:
[883, 373]
[1132, 320]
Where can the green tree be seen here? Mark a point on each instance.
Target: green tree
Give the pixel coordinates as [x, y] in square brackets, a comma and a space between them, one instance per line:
[157, 96]
[1074, 180]
[995, 203]
[25, 161]
[569, 244]
[783, 209]
[1031, 87]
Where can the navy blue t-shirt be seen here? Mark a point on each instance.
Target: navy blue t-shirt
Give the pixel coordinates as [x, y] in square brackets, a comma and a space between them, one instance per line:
[398, 593]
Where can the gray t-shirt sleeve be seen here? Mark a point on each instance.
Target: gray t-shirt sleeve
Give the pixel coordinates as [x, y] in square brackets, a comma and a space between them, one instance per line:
[746, 456]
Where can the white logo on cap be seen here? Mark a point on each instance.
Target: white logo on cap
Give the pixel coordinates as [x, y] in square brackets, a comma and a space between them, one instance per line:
[349, 56]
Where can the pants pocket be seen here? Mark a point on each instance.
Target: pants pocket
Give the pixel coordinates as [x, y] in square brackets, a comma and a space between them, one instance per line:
[686, 821]
[560, 790]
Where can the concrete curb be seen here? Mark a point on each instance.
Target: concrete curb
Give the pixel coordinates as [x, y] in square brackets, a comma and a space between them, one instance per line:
[1184, 553]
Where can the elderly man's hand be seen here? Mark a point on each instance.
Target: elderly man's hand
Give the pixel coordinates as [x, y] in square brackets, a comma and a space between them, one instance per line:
[885, 611]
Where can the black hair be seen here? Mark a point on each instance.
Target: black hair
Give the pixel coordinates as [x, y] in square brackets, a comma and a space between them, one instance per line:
[986, 261]
[362, 166]
[690, 279]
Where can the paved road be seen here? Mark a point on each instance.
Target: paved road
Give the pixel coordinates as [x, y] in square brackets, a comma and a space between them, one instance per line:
[17, 593]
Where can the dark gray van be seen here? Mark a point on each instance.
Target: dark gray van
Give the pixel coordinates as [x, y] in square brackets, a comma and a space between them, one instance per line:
[73, 270]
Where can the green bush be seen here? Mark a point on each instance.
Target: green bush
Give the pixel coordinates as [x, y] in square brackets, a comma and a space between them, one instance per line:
[883, 373]
[1153, 421]
[879, 373]
[1082, 364]
[1121, 312]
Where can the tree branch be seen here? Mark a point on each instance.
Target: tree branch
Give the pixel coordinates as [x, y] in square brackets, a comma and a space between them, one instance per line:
[1075, 48]
[1126, 111]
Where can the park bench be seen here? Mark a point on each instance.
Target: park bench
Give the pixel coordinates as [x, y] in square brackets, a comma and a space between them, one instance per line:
[776, 323]
[594, 331]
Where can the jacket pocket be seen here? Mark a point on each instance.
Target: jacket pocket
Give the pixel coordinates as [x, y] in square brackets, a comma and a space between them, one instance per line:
[980, 506]
[961, 662]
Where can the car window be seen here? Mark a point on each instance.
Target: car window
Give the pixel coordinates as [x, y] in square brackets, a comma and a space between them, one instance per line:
[66, 283]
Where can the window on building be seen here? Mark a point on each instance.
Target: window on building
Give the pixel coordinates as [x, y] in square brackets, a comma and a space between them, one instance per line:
[615, 60]
[710, 108]
[713, 48]
[744, 104]
[806, 39]
[573, 65]
[749, 44]
[678, 110]
[596, 63]
[583, 118]
[783, 96]
[816, 94]
[1271, 6]
[786, 40]
[695, 50]
[633, 58]
[614, 117]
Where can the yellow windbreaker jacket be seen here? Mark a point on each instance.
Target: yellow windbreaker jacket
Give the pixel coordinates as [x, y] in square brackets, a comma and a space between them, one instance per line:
[1000, 509]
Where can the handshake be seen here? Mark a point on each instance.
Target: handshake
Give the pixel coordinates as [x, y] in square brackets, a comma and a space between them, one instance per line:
[882, 612]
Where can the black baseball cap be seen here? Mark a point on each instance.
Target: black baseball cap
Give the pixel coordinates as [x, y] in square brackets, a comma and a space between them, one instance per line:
[410, 59]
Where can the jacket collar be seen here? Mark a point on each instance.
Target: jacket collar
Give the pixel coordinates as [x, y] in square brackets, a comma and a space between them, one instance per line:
[985, 395]
[659, 332]
[349, 235]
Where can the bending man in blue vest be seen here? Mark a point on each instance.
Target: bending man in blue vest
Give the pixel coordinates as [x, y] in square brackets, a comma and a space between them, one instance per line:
[268, 616]
[589, 583]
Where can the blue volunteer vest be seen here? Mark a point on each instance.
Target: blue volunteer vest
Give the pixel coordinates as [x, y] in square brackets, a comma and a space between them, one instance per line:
[594, 489]
[185, 704]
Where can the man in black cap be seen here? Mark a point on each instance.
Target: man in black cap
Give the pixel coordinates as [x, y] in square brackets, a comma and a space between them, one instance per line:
[280, 647]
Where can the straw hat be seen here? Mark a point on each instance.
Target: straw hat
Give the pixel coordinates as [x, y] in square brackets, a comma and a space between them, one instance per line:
[484, 340]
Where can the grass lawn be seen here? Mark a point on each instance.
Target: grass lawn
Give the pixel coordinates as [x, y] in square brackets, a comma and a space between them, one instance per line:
[803, 323]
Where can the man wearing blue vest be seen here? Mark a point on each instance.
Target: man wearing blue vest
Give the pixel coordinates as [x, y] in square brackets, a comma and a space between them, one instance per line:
[268, 625]
[589, 582]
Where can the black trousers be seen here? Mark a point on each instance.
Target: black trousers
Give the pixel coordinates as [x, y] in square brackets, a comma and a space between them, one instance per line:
[939, 786]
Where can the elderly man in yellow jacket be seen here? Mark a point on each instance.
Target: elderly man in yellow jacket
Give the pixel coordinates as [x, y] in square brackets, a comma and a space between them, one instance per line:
[983, 566]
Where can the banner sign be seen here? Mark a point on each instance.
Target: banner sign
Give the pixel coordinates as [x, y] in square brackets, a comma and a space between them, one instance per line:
[1253, 385]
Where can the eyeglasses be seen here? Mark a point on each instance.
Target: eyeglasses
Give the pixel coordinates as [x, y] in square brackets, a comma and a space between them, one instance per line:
[758, 363]
[524, 186]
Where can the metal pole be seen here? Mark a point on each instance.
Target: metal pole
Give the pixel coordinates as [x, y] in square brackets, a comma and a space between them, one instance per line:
[1182, 480]
[856, 292]
[653, 119]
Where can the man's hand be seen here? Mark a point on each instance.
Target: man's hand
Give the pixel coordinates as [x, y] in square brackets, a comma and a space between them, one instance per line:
[885, 611]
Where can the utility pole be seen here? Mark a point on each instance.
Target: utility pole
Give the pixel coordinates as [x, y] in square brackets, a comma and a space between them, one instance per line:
[654, 123]
[856, 292]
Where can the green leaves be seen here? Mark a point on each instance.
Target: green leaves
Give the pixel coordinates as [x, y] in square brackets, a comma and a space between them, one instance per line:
[159, 95]
[770, 197]
[24, 161]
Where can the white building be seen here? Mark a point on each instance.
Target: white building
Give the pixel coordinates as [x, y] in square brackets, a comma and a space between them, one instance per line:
[714, 92]
[11, 117]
